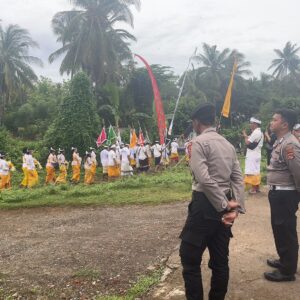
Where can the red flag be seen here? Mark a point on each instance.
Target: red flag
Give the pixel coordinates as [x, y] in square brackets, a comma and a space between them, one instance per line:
[161, 119]
[141, 138]
[102, 138]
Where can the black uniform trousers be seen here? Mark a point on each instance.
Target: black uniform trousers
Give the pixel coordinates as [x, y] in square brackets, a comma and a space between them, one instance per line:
[204, 229]
[284, 205]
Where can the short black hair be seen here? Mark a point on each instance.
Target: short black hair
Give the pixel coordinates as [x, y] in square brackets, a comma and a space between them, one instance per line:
[289, 115]
[205, 114]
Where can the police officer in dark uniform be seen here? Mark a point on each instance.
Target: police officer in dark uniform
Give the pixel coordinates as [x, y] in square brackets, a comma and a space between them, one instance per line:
[217, 198]
[284, 195]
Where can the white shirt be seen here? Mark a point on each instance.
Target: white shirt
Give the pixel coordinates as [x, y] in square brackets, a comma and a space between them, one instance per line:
[76, 159]
[156, 150]
[256, 137]
[111, 158]
[4, 167]
[30, 162]
[52, 159]
[165, 153]
[88, 163]
[174, 147]
[118, 153]
[132, 152]
[93, 157]
[104, 157]
[148, 150]
[141, 152]
[124, 155]
[61, 159]
[24, 165]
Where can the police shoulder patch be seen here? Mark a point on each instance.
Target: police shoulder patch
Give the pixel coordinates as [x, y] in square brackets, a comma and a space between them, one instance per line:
[290, 152]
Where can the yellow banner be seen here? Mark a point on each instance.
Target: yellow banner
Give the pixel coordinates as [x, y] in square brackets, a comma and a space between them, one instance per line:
[227, 102]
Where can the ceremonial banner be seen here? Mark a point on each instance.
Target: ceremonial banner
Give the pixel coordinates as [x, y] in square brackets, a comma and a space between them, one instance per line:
[133, 138]
[112, 137]
[161, 119]
[102, 138]
[141, 138]
[227, 102]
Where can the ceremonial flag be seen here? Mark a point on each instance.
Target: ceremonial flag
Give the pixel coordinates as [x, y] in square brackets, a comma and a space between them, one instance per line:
[227, 102]
[112, 137]
[141, 137]
[133, 138]
[102, 138]
[161, 119]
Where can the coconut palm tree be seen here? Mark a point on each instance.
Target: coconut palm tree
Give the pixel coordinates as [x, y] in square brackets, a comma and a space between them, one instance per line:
[91, 40]
[242, 65]
[15, 70]
[287, 63]
[212, 61]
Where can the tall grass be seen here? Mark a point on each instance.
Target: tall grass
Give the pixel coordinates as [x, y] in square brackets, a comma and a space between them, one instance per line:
[171, 185]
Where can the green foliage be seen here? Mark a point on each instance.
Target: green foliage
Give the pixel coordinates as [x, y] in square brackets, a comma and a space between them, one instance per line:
[77, 123]
[232, 135]
[13, 147]
[16, 73]
[109, 103]
[185, 109]
[90, 41]
[288, 61]
[32, 119]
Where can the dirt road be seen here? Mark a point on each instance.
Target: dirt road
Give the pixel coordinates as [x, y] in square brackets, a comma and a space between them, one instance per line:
[68, 253]
[251, 246]
[78, 253]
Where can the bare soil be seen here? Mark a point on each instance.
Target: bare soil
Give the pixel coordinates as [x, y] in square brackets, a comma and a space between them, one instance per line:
[77, 253]
[251, 246]
[73, 253]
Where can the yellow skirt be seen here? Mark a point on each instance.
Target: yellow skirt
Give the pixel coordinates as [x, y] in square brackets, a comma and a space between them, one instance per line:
[25, 178]
[88, 176]
[114, 172]
[50, 177]
[62, 177]
[9, 180]
[132, 162]
[76, 173]
[4, 182]
[174, 156]
[33, 178]
[252, 180]
[93, 168]
[93, 172]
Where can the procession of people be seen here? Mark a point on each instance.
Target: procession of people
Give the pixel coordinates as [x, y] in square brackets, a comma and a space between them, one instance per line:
[116, 160]
[122, 159]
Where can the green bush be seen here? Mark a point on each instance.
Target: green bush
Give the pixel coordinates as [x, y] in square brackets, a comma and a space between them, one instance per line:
[77, 123]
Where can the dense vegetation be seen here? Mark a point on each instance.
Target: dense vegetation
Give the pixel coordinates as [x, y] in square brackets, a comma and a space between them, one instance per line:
[108, 88]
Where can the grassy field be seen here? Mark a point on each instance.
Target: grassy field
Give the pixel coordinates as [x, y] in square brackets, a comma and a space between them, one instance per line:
[168, 186]
[163, 187]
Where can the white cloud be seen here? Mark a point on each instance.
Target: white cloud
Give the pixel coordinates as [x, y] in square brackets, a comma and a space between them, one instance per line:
[169, 30]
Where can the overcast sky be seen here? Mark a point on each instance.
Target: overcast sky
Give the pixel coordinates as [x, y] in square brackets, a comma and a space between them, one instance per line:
[169, 30]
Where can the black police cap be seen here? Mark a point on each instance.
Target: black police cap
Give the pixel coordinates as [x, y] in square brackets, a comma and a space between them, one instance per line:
[205, 113]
